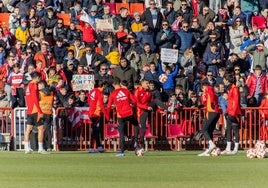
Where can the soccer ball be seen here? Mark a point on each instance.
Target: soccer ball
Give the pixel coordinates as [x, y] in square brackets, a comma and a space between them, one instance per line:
[163, 78]
[251, 153]
[139, 152]
[215, 152]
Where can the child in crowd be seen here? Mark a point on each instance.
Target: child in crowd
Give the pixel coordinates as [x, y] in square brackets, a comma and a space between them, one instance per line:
[53, 77]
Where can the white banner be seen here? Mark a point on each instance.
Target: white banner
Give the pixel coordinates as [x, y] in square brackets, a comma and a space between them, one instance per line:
[83, 82]
[104, 24]
[169, 55]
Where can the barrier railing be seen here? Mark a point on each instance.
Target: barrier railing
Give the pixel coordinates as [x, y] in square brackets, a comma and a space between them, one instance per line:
[253, 127]
[19, 122]
[7, 126]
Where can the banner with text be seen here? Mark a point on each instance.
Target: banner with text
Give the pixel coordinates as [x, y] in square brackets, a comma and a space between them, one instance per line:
[104, 24]
[169, 55]
[83, 82]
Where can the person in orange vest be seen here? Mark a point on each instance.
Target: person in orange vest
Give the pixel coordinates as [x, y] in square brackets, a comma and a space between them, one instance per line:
[210, 101]
[46, 98]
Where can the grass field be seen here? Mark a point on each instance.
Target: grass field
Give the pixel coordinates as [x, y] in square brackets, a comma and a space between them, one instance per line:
[156, 169]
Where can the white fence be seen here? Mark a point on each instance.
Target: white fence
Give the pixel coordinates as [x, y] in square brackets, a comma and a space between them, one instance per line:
[20, 119]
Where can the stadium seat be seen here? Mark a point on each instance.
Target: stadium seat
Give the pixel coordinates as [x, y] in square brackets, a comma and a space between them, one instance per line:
[111, 133]
[258, 21]
[118, 6]
[66, 18]
[148, 135]
[112, 7]
[136, 7]
[4, 19]
[175, 132]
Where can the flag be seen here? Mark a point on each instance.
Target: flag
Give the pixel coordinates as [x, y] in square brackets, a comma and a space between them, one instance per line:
[78, 116]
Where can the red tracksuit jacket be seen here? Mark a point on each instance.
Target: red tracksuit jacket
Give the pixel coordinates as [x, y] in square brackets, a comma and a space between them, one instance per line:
[233, 107]
[95, 101]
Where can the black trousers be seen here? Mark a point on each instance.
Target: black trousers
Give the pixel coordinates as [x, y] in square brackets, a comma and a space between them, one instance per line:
[232, 124]
[96, 131]
[122, 124]
[47, 133]
[18, 99]
[209, 125]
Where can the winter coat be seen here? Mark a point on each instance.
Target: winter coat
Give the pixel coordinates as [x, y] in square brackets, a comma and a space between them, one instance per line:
[252, 82]
[22, 35]
[233, 107]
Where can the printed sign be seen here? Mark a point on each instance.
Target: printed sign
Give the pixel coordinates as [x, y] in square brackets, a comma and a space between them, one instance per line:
[169, 55]
[83, 82]
[105, 24]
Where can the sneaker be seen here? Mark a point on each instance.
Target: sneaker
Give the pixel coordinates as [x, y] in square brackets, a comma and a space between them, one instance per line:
[28, 152]
[49, 150]
[91, 150]
[234, 152]
[211, 147]
[120, 155]
[43, 152]
[100, 149]
[226, 152]
[204, 154]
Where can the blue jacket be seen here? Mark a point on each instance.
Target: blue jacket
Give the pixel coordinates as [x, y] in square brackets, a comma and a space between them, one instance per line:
[247, 43]
[146, 37]
[170, 83]
[207, 58]
[187, 40]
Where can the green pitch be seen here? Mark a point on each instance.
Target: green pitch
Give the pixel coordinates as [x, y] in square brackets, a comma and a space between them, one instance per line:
[156, 169]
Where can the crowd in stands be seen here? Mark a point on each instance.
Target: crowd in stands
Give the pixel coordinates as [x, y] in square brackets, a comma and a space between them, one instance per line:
[212, 38]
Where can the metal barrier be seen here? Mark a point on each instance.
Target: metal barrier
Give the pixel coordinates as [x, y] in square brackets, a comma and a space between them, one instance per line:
[19, 122]
[253, 127]
[7, 126]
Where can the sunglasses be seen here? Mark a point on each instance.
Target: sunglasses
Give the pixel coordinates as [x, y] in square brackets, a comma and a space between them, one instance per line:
[152, 4]
[183, 4]
[237, 69]
[104, 69]
[209, 74]
[59, 22]
[164, 24]
[184, 26]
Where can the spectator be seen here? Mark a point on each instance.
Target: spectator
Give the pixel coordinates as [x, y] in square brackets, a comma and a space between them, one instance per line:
[14, 20]
[121, 36]
[53, 77]
[70, 59]
[136, 25]
[212, 59]
[76, 12]
[22, 5]
[152, 75]
[22, 32]
[35, 30]
[2, 55]
[88, 32]
[146, 36]
[237, 14]
[17, 49]
[82, 99]
[4, 40]
[169, 85]
[123, 18]
[259, 53]
[207, 16]
[147, 57]
[49, 22]
[188, 61]
[250, 40]
[91, 59]
[236, 36]
[153, 17]
[78, 47]
[45, 56]
[103, 75]
[60, 31]
[177, 24]
[210, 79]
[107, 12]
[185, 11]
[256, 84]
[166, 38]
[25, 61]
[73, 34]
[182, 80]
[40, 9]
[187, 39]
[125, 72]
[60, 50]
[169, 12]
[17, 91]
[133, 46]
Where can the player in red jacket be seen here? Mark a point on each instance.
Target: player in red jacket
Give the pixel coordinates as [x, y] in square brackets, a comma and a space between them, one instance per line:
[34, 114]
[122, 100]
[144, 97]
[96, 107]
[233, 112]
[210, 100]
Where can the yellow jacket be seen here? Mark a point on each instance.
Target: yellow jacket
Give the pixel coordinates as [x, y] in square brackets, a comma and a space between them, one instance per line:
[136, 27]
[80, 51]
[22, 35]
[113, 57]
